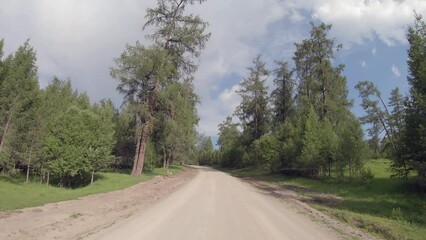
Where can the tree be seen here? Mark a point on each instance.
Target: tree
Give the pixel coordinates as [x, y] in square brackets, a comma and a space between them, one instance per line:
[396, 121]
[378, 114]
[205, 151]
[145, 72]
[282, 95]
[414, 140]
[328, 147]
[351, 152]
[253, 110]
[311, 145]
[104, 132]
[268, 149]
[19, 99]
[78, 142]
[228, 142]
[320, 84]
[124, 149]
[175, 133]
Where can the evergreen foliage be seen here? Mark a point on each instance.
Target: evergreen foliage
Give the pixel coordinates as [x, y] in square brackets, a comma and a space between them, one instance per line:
[253, 110]
[312, 123]
[157, 82]
[414, 140]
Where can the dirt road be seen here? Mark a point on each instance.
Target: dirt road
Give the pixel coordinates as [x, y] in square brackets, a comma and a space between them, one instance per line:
[215, 205]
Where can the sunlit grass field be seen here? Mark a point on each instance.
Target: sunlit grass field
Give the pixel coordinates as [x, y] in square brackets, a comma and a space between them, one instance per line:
[387, 208]
[15, 193]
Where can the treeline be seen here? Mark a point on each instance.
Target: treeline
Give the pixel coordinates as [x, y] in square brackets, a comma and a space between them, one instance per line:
[56, 132]
[305, 126]
[397, 127]
[58, 135]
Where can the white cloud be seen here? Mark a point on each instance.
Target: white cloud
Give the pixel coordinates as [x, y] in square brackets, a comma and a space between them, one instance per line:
[356, 21]
[74, 39]
[363, 64]
[395, 71]
[229, 98]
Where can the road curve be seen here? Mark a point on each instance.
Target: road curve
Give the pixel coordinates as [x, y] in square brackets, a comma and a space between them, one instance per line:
[216, 206]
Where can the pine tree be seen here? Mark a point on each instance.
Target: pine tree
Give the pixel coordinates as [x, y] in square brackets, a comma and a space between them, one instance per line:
[351, 149]
[319, 83]
[282, 95]
[415, 122]
[311, 145]
[144, 72]
[253, 110]
[377, 114]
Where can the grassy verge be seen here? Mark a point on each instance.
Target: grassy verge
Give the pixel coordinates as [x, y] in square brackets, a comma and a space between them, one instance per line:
[15, 194]
[386, 208]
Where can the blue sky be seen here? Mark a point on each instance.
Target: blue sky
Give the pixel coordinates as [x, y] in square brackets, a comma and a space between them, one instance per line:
[78, 39]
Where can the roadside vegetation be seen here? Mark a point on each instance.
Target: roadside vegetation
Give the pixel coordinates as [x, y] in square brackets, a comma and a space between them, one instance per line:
[16, 194]
[304, 136]
[59, 137]
[388, 208]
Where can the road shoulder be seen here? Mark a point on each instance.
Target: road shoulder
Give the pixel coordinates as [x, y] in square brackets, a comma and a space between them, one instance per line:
[78, 218]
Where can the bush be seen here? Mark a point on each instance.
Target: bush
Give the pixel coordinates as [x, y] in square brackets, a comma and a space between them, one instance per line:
[267, 150]
[367, 175]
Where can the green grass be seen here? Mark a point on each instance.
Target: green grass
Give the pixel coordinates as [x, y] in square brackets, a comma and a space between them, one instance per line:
[387, 208]
[15, 194]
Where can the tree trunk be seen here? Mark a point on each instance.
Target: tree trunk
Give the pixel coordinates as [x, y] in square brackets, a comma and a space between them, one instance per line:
[164, 158]
[169, 158]
[6, 129]
[93, 176]
[28, 171]
[135, 161]
[140, 154]
[48, 178]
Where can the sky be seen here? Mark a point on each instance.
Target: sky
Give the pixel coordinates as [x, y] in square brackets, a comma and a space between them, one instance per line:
[79, 39]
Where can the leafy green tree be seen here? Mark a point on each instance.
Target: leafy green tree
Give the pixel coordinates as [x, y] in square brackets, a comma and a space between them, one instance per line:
[104, 132]
[282, 95]
[351, 154]
[268, 149]
[311, 145]
[253, 110]
[414, 141]
[175, 131]
[19, 99]
[377, 113]
[229, 145]
[145, 72]
[291, 136]
[396, 121]
[328, 147]
[205, 151]
[78, 142]
[124, 149]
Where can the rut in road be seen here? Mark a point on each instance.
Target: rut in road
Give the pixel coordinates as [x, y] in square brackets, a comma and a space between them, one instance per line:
[215, 205]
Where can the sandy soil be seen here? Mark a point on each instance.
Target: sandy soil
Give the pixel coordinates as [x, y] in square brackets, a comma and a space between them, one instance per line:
[200, 203]
[78, 218]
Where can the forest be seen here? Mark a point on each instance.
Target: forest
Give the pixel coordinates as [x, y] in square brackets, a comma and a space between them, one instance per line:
[304, 127]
